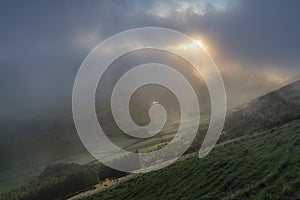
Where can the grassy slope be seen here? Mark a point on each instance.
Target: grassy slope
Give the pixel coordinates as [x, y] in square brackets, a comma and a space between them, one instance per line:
[261, 165]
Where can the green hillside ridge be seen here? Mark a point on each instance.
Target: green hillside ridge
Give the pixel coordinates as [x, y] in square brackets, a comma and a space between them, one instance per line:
[263, 165]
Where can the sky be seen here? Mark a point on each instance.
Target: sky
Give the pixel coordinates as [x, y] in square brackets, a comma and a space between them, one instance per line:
[254, 43]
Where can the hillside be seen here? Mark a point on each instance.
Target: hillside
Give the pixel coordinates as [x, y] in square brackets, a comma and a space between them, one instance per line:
[262, 165]
[60, 137]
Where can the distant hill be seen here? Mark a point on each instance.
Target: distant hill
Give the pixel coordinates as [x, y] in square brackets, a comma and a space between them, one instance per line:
[265, 112]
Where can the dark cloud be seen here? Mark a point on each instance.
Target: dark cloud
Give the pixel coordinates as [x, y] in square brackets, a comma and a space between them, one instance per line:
[259, 33]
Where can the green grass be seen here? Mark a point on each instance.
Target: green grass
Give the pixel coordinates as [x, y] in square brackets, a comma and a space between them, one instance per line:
[258, 166]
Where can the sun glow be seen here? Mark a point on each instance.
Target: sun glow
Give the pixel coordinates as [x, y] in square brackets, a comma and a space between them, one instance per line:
[200, 43]
[192, 46]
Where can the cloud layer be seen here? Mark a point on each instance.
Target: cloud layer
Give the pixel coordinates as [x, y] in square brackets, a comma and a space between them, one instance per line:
[255, 43]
